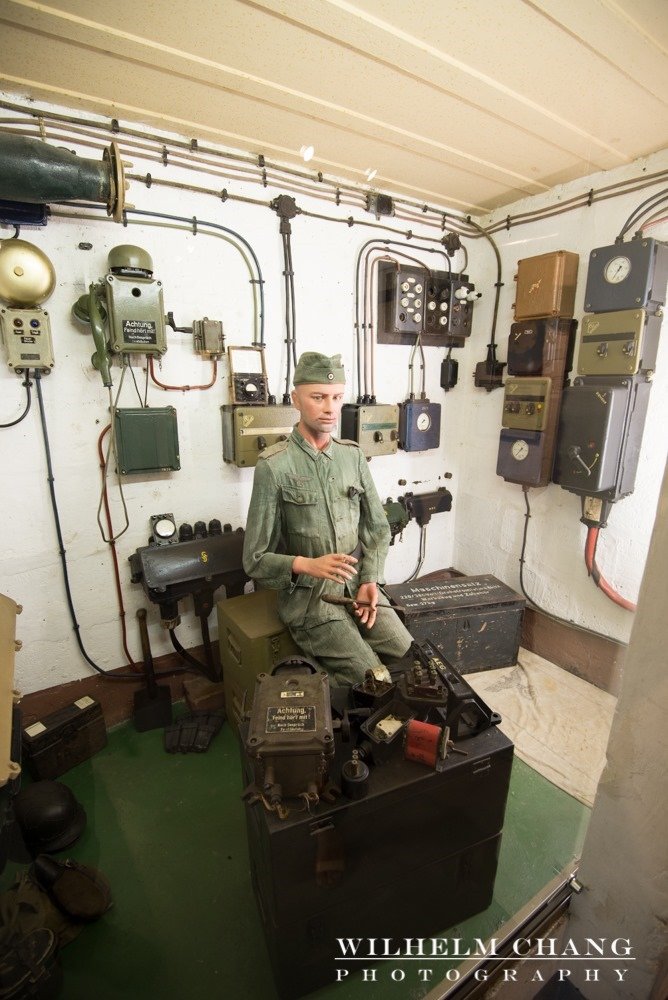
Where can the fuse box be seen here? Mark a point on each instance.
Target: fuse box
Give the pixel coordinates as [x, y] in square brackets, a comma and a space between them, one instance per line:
[413, 300]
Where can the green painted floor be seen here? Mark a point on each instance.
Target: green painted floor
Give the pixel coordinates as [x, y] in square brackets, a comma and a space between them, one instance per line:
[168, 831]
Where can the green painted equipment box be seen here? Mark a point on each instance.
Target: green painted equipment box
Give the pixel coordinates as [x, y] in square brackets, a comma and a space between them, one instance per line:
[147, 440]
[252, 641]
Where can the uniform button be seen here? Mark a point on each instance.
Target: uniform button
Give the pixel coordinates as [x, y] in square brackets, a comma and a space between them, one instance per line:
[300, 499]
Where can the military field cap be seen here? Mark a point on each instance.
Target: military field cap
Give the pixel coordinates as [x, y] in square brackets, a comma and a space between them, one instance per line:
[318, 368]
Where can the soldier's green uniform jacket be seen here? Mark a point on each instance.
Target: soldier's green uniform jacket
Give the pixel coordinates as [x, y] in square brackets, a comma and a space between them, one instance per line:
[310, 503]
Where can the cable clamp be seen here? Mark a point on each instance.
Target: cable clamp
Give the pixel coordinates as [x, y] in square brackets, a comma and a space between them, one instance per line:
[425, 209]
[115, 127]
[224, 195]
[193, 146]
[194, 225]
[260, 160]
[320, 177]
[350, 221]
[148, 180]
[124, 218]
[507, 223]
[264, 177]
[409, 234]
[337, 196]
[164, 156]
[590, 197]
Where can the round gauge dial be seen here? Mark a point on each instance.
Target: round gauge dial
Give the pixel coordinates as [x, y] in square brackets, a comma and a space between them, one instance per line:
[520, 450]
[164, 528]
[617, 270]
[423, 422]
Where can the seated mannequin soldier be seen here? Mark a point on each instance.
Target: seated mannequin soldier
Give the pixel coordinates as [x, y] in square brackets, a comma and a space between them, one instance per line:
[316, 527]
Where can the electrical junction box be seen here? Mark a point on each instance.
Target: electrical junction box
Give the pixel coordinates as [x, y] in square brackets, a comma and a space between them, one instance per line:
[412, 300]
[629, 275]
[475, 622]
[546, 285]
[147, 440]
[252, 640]
[374, 426]
[419, 425]
[208, 337]
[26, 334]
[619, 343]
[248, 430]
[526, 403]
[542, 347]
[525, 457]
[136, 315]
[600, 433]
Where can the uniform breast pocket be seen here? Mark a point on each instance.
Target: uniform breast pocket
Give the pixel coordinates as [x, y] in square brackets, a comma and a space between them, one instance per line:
[347, 509]
[301, 511]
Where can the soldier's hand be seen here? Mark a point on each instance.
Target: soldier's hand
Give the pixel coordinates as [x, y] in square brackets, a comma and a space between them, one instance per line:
[368, 592]
[338, 567]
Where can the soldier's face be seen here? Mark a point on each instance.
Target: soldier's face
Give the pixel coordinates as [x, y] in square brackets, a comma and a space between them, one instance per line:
[319, 405]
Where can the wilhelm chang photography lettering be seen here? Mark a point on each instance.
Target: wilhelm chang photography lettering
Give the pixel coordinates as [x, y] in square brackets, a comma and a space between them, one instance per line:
[418, 960]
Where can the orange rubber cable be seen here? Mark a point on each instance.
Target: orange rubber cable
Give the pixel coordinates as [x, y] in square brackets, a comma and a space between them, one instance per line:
[595, 573]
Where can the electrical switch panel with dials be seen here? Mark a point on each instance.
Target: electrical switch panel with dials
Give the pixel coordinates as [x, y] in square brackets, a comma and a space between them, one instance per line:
[540, 355]
[413, 300]
[252, 421]
[374, 426]
[27, 279]
[603, 413]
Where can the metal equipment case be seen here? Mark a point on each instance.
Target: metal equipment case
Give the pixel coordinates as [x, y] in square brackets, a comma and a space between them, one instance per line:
[414, 857]
[546, 285]
[475, 621]
[65, 738]
[252, 641]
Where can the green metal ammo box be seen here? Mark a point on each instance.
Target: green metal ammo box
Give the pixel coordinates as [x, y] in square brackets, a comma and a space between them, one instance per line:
[252, 641]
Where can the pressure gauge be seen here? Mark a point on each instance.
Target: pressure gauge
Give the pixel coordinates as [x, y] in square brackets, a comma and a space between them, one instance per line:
[520, 450]
[617, 270]
[423, 422]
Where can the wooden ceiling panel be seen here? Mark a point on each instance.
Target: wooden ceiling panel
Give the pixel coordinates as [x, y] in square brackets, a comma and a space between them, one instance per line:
[470, 104]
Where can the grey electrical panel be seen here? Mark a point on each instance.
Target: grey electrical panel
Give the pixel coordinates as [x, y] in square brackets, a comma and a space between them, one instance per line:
[248, 430]
[629, 275]
[374, 426]
[147, 440]
[600, 433]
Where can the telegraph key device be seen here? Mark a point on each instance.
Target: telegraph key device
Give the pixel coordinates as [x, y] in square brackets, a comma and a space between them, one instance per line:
[374, 426]
[248, 376]
[627, 276]
[546, 285]
[419, 425]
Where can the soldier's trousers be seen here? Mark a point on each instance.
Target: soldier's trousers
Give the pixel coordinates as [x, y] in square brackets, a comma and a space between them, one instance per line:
[346, 649]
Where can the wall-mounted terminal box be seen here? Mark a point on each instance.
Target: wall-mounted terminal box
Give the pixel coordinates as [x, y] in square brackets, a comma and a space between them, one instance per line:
[26, 334]
[147, 440]
[249, 383]
[419, 425]
[413, 300]
[600, 432]
[546, 285]
[248, 430]
[526, 403]
[542, 347]
[208, 337]
[629, 275]
[374, 426]
[136, 314]
[619, 343]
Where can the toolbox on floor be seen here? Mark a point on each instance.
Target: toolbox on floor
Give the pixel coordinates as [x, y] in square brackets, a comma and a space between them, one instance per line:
[414, 857]
[252, 640]
[65, 738]
[475, 621]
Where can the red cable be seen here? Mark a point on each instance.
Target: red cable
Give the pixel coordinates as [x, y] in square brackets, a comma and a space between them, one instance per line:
[595, 573]
[182, 388]
[112, 546]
